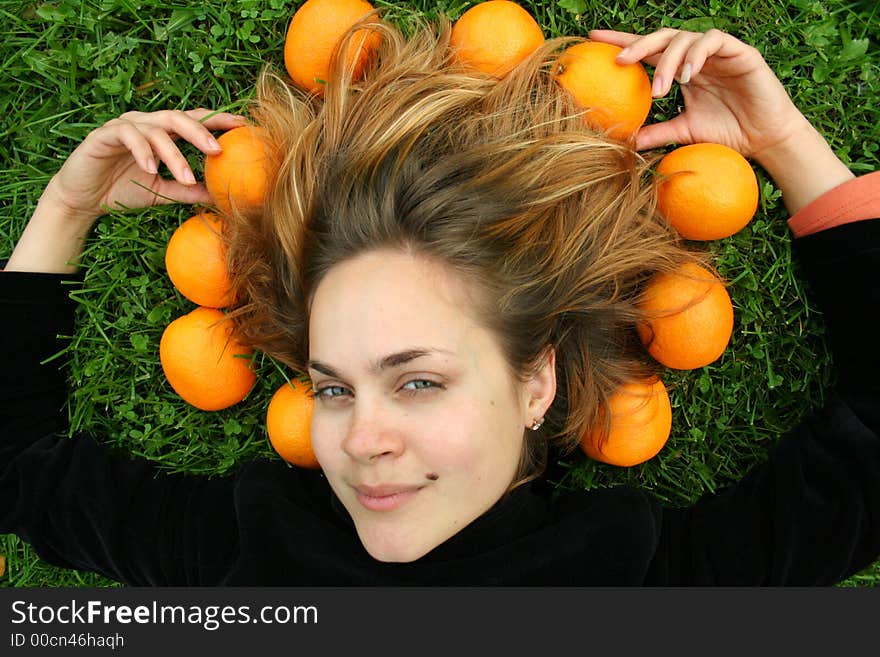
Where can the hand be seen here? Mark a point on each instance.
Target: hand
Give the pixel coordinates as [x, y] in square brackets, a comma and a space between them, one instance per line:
[731, 96]
[116, 166]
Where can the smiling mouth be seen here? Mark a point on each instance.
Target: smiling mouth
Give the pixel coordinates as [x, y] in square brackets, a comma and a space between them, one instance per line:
[385, 498]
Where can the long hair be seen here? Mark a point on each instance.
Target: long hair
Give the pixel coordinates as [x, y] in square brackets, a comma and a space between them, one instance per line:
[553, 225]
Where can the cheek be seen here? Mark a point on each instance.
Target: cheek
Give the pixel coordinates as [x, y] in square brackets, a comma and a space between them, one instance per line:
[326, 435]
[473, 438]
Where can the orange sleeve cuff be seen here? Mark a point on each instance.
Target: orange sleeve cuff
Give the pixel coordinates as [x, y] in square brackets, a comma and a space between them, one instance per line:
[853, 200]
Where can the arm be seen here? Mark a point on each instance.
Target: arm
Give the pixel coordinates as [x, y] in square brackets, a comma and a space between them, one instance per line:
[78, 504]
[811, 513]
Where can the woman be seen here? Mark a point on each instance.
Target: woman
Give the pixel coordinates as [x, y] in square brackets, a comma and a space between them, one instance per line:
[456, 311]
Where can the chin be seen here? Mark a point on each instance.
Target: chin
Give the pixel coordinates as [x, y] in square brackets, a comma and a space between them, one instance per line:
[391, 549]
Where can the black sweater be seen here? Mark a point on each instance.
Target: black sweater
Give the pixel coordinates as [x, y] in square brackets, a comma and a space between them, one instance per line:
[809, 515]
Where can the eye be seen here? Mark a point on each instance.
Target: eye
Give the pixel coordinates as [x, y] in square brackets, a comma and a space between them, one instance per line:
[330, 392]
[417, 385]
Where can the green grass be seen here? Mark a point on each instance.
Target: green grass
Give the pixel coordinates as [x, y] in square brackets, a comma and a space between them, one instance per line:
[67, 67]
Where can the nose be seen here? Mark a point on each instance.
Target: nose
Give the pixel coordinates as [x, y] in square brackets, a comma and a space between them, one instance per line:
[372, 434]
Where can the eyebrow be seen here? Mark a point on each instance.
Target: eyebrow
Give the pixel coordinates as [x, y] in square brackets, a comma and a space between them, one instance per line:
[388, 362]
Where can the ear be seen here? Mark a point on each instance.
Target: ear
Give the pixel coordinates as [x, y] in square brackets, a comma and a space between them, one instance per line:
[540, 389]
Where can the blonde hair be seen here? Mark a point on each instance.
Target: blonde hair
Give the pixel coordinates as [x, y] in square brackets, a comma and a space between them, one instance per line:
[553, 225]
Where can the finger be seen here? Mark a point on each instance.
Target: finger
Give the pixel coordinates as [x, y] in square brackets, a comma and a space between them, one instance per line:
[709, 44]
[647, 48]
[120, 132]
[213, 120]
[673, 63]
[653, 49]
[172, 192]
[216, 121]
[185, 125]
[165, 148]
[193, 125]
[622, 39]
[655, 135]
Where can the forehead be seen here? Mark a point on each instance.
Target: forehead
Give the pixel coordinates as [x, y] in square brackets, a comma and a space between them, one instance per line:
[383, 300]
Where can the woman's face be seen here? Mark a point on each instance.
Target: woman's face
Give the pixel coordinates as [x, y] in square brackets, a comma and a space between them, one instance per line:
[418, 423]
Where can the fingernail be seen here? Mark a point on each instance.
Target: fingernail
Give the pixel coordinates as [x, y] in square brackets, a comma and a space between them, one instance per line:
[657, 86]
[213, 144]
[188, 177]
[622, 54]
[151, 166]
[686, 73]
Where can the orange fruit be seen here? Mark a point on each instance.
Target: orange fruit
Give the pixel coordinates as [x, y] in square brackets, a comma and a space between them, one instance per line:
[617, 97]
[494, 36]
[641, 419]
[314, 32]
[238, 176]
[196, 261]
[711, 192]
[203, 363]
[289, 423]
[690, 317]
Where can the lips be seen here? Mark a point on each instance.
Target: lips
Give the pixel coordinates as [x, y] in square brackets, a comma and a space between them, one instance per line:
[386, 497]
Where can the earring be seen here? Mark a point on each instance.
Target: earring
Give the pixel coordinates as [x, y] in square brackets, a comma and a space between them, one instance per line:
[537, 424]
